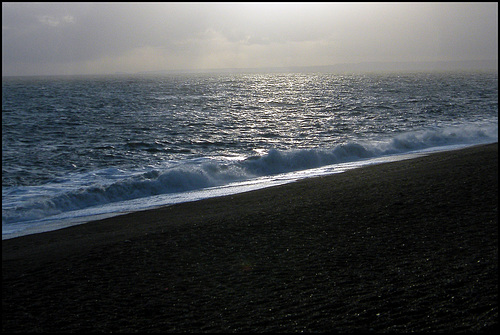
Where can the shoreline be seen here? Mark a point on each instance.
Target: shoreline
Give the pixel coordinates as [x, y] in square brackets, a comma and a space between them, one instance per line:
[52, 225]
[403, 246]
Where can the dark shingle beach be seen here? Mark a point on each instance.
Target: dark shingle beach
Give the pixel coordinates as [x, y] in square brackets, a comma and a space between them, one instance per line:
[409, 246]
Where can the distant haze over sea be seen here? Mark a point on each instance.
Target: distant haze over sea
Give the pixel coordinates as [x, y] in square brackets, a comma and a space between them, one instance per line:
[469, 65]
[343, 68]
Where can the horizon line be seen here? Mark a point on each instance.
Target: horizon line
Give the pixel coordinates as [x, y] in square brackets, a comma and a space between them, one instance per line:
[358, 67]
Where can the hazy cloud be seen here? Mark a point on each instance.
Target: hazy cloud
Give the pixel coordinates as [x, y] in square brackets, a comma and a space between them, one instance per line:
[47, 38]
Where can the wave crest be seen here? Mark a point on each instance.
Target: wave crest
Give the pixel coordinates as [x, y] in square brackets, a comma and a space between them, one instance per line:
[195, 175]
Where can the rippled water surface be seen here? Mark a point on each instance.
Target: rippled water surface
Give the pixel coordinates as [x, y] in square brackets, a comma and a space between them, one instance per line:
[71, 143]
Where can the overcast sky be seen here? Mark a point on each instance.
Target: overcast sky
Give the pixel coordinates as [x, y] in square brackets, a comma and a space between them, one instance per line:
[90, 38]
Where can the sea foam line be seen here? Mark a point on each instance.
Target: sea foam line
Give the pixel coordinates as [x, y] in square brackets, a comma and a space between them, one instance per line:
[115, 186]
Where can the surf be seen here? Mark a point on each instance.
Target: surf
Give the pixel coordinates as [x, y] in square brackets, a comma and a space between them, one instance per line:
[112, 187]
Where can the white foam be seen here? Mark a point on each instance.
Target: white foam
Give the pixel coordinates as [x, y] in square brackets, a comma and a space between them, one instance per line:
[72, 218]
[83, 197]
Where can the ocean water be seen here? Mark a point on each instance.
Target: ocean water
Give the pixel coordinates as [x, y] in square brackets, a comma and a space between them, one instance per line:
[80, 148]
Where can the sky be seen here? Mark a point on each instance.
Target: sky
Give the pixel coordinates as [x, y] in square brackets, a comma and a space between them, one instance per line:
[101, 38]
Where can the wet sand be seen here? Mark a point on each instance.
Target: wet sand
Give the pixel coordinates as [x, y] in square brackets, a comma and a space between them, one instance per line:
[397, 247]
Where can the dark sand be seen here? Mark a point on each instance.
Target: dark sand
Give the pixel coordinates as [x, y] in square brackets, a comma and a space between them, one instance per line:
[399, 247]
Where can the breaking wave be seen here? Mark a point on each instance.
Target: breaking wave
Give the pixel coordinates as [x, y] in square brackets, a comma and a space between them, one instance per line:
[114, 185]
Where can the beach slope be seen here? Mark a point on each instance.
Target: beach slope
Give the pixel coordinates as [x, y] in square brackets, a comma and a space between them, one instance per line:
[402, 247]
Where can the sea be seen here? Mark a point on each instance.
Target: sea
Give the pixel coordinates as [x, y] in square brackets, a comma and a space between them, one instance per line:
[81, 148]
